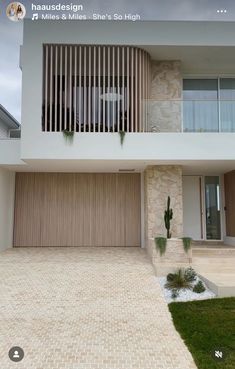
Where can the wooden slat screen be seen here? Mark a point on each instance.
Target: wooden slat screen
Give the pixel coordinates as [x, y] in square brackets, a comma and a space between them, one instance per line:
[89, 88]
[77, 209]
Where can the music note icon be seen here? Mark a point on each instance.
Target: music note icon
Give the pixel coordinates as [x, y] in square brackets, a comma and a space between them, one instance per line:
[35, 16]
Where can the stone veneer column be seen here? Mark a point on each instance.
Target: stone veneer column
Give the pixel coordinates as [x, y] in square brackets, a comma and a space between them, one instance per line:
[166, 93]
[159, 183]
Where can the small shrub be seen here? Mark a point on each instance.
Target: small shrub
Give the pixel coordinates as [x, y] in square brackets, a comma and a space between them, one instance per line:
[190, 274]
[161, 244]
[174, 293]
[199, 287]
[178, 281]
[170, 277]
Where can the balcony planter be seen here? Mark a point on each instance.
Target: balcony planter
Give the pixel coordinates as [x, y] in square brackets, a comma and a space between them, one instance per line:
[68, 136]
[122, 136]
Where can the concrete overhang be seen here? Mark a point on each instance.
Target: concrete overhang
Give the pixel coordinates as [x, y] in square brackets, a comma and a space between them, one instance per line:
[203, 47]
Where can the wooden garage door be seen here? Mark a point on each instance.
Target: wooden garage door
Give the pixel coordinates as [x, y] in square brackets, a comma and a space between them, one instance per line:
[77, 209]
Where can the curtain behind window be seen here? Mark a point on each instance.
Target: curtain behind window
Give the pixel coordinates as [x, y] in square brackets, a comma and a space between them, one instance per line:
[200, 108]
[227, 104]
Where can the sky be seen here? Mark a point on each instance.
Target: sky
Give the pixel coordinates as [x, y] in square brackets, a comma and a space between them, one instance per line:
[11, 33]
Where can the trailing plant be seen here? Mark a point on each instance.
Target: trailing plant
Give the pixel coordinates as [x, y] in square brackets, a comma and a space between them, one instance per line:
[68, 135]
[179, 281]
[122, 136]
[199, 287]
[168, 215]
[161, 244]
[187, 243]
[190, 274]
[174, 293]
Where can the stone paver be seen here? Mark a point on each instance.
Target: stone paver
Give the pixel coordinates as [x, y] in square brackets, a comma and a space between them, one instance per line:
[85, 308]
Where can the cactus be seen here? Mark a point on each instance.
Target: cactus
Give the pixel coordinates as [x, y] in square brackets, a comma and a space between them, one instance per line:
[168, 217]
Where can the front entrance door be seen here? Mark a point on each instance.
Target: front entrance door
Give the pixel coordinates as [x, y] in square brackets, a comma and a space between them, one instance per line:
[192, 207]
[212, 208]
[201, 207]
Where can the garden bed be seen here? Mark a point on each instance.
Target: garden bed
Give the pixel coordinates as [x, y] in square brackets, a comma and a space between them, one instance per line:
[185, 294]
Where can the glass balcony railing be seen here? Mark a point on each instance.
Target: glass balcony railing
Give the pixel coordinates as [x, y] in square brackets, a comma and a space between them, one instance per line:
[191, 115]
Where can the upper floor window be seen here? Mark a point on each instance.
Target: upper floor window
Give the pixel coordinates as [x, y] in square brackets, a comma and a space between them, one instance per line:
[92, 88]
[209, 105]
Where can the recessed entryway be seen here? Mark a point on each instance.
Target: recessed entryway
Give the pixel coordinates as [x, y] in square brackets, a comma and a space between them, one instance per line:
[202, 207]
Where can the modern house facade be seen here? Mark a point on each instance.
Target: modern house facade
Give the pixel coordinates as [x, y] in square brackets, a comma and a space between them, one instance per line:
[170, 86]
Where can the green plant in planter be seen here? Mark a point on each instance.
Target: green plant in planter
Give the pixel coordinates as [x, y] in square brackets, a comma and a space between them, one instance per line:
[199, 287]
[178, 281]
[122, 136]
[68, 135]
[190, 274]
[187, 243]
[168, 217]
[161, 244]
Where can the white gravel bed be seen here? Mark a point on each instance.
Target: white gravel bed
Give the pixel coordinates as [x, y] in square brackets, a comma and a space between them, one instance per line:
[185, 294]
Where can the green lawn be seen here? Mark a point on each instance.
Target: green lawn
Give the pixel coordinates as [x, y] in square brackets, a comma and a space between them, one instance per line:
[204, 326]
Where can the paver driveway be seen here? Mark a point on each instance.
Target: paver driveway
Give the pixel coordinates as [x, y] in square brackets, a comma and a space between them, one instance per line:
[85, 308]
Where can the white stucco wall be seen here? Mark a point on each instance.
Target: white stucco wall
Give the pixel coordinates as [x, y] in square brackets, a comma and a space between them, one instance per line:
[137, 146]
[7, 194]
[10, 152]
[3, 130]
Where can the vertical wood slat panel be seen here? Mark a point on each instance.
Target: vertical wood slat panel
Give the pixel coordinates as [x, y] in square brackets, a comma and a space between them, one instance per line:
[146, 95]
[141, 91]
[125, 71]
[94, 92]
[46, 87]
[80, 89]
[56, 88]
[51, 86]
[132, 89]
[118, 88]
[27, 228]
[113, 87]
[66, 87]
[61, 85]
[104, 74]
[84, 90]
[70, 87]
[89, 89]
[77, 209]
[123, 90]
[136, 91]
[149, 76]
[99, 87]
[75, 88]
[108, 90]
[128, 88]
[131, 186]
